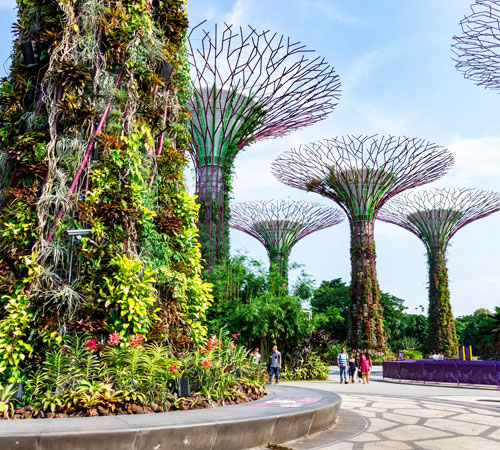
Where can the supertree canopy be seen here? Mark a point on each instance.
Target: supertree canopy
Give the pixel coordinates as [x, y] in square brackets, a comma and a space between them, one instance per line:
[477, 50]
[97, 231]
[279, 225]
[248, 86]
[435, 216]
[360, 174]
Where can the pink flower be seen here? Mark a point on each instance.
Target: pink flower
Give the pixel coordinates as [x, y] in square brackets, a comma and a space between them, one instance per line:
[173, 369]
[91, 344]
[136, 340]
[236, 335]
[114, 338]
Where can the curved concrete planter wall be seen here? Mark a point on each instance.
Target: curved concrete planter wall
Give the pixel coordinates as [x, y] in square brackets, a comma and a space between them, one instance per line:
[287, 413]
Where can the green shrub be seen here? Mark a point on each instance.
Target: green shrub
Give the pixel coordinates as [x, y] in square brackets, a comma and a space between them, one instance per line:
[413, 354]
[311, 368]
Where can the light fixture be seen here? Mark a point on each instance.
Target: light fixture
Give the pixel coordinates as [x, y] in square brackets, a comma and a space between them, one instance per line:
[30, 53]
[165, 72]
[183, 387]
[79, 233]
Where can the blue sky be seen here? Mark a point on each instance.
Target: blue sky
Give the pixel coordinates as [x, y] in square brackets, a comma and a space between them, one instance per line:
[394, 61]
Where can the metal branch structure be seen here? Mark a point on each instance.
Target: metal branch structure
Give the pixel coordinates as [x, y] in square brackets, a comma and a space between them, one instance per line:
[360, 174]
[435, 216]
[477, 50]
[279, 225]
[248, 86]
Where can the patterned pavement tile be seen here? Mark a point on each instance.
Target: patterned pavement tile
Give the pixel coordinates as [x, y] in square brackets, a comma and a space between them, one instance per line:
[421, 412]
[459, 443]
[456, 426]
[412, 433]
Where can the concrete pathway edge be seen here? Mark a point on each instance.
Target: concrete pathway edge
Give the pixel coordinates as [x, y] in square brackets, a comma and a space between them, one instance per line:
[285, 414]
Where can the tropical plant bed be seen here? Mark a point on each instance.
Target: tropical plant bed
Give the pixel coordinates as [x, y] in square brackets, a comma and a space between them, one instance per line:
[116, 405]
[81, 376]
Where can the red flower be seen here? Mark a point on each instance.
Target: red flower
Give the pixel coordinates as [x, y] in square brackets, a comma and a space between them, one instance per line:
[114, 338]
[231, 346]
[91, 344]
[212, 343]
[173, 369]
[206, 363]
[136, 340]
[236, 335]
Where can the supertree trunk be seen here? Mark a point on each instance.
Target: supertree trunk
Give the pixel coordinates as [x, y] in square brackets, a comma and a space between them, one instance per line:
[366, 325]
[214, 211]
[442, 333]
[278, 263]
[247, 86]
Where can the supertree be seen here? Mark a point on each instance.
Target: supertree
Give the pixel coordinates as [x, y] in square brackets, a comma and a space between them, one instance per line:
[248, 86]
[360, 174]
[477, 50]
[435, 216]
[93, 207]
[280, 224]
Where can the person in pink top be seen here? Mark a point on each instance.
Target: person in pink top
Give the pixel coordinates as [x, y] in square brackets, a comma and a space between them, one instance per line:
[366, 365]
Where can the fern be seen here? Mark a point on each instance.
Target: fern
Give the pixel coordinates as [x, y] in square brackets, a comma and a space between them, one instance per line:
[55, 368]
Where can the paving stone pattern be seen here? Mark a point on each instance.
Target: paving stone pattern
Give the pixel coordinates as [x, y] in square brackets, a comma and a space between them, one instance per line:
[412, 417]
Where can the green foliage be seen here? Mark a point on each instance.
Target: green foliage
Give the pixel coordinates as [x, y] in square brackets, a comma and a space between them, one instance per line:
[468, 328]
[489, 334]
[130, 293]
[81, 376]
[334, 349]
[413, 354]
[408, 343]
[7, 393]
[311, 368]
[139, 270]
[442, 336]
[330, 304]
[251, 301]
[14, 326]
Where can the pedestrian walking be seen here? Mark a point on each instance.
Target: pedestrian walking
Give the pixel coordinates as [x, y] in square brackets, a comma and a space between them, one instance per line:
[358, 365]
[342, 363]
[366, 365]
[275, 366]
[352, 368]
[256, 356]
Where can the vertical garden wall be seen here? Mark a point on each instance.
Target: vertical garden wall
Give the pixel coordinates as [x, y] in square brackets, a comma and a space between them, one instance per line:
[97, 231]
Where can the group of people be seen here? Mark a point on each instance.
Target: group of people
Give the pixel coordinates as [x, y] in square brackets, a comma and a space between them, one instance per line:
[356, 363]
[274, 367]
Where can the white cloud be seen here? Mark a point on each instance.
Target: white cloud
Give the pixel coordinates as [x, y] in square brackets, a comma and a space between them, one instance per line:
[476, 160]
[326, 9]
[239, 13]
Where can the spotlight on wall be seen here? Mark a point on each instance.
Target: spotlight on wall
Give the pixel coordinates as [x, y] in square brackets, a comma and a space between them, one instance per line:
[30, 53]
[165, 72]
[78, 233]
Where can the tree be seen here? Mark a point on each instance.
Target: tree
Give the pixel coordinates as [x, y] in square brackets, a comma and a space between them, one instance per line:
[330, 303]
[489, 333]
[251, 301]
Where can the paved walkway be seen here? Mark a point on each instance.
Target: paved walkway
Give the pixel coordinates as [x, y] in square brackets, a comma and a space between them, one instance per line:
[409, 416]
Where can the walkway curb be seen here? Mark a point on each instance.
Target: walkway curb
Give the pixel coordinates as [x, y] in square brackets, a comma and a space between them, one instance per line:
[287, 413]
